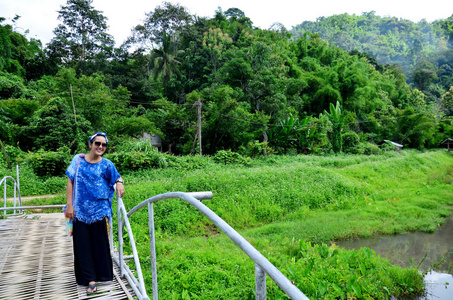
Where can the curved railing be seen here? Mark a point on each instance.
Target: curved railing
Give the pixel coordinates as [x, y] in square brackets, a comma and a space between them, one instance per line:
[262, 265]
[16, 191]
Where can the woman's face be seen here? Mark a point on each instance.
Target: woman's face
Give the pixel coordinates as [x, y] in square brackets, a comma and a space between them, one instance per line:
[98, 145]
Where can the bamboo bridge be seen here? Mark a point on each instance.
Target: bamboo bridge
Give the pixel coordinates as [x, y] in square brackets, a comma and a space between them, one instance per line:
[36, 256]
[36, 262]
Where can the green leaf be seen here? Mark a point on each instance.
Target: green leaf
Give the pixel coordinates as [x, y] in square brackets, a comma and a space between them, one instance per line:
[357, 289]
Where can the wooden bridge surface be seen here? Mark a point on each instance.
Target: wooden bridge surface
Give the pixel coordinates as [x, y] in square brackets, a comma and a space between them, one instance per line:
[36, 262]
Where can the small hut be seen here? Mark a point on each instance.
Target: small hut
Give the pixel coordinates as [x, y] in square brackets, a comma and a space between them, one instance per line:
[447, 143]
[154, 139]
[397, 146]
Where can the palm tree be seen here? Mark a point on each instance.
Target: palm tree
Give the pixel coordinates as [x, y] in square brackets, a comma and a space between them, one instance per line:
[166, 61]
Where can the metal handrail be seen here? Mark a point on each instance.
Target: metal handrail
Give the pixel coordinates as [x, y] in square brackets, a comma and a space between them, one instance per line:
[16, 190]
[262, 265]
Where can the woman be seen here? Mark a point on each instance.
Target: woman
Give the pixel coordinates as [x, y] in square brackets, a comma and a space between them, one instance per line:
[89, 193]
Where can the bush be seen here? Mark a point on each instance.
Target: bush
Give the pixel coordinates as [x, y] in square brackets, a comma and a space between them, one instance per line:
[229, 157]
[49, 163]
[256, 148]
[14, 154]
[350, 142]
[137, 160]
[129, 145]
[369, 149]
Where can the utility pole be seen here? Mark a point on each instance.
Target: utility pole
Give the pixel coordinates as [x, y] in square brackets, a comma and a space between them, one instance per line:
[199, 123]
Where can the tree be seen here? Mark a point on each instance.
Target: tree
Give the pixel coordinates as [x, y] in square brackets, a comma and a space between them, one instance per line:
[424, 74]
[171, 120]
[166, 19]
[447, 102]
[82, 36]
[415, 129]
[13, 86]
[53, 126]
[447, 26]
[235, 13]
[228, 123]
[18, 55]
[166, 61]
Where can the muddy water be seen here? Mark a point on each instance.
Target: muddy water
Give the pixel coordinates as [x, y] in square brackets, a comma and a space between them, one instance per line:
[399, 249]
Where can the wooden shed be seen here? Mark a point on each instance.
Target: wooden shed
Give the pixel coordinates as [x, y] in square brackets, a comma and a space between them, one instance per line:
[154, 139]
[447, 143]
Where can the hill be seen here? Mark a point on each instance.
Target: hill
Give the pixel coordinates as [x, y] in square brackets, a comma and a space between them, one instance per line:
[416, 47]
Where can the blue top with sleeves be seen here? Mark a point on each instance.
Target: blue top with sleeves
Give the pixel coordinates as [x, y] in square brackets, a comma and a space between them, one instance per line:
[93, 188]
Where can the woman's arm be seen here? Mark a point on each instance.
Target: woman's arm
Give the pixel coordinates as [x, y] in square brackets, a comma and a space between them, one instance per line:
[69, 207]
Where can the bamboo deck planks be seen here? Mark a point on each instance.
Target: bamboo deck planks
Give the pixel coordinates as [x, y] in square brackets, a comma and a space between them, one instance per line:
[36, 262]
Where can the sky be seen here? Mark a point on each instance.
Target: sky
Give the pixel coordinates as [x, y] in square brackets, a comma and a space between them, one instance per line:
[39, 17]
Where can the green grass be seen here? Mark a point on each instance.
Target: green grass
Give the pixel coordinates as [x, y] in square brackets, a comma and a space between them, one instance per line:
[292, 209]
[280, 202]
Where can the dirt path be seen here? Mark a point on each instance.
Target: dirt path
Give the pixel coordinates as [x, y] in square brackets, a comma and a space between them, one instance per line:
[28, 198]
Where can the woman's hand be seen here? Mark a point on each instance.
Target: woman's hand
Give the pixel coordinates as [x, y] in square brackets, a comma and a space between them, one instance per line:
[120, 189]
[69, 212]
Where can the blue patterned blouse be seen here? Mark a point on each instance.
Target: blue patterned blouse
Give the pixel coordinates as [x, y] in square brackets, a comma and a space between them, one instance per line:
[93, 188]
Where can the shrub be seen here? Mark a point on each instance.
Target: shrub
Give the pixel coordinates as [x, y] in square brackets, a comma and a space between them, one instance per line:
[229, 157]
[48, 163]
[350, 142]
[14, 154]
[256, 148]
[137, 160]
[368, 149]
[129, 145]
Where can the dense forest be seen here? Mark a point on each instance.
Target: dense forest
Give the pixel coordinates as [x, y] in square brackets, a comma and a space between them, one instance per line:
[340, 84]
[422, 50]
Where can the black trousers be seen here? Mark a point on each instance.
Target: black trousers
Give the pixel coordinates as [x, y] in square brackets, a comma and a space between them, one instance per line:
[92, 259]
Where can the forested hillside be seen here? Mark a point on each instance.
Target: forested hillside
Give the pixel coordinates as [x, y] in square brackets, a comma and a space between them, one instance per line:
[423, 50]
[260, 91]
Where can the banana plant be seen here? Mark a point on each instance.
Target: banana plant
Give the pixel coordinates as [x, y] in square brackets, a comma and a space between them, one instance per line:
[294, 133]
[308, 135]
[286, 133]
[336, 118]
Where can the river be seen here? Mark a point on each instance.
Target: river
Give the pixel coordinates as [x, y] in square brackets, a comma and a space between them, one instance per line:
[399, 249]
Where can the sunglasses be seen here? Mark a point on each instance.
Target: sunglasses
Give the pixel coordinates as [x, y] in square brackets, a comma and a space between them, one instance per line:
[98, 144]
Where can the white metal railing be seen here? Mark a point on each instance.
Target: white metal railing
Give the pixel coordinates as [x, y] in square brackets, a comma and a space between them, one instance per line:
[262, 265]
[16, 191]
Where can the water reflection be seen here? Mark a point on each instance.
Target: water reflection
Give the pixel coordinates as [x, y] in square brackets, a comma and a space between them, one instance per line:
[399, 249]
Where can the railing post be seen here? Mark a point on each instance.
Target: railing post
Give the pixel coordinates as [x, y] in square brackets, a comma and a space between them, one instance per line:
[18, 185]
[152, 246]
[120, 234]
[15, 186]
[260, 283]
[4, 194]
